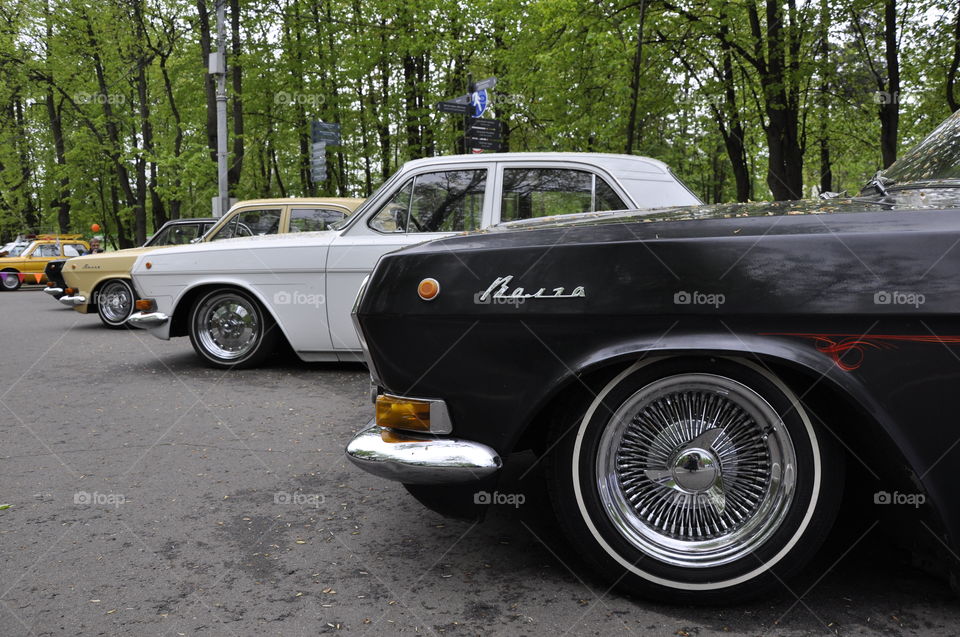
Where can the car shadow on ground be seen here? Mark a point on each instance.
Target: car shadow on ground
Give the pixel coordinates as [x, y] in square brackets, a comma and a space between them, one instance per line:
[859, 567]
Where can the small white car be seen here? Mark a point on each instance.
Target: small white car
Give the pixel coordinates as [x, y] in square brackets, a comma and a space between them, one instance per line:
[236, 299]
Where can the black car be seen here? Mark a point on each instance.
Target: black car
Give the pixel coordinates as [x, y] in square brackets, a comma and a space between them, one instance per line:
[174, 232]
[697, 383]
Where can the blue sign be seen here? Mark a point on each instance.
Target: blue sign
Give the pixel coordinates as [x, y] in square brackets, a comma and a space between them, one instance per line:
[479, 102]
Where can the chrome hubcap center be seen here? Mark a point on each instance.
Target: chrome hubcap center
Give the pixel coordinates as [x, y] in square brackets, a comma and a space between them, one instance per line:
[695, 470]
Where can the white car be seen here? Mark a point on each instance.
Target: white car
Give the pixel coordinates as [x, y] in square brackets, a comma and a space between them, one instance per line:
[236, 299]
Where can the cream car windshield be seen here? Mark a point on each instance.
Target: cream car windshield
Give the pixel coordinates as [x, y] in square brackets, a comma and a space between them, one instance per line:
[250, 223]
[177, 234]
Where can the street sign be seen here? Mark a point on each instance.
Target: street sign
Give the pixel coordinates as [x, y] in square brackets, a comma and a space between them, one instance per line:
[487, 124]
[483, 133]
[479, 101]
[485, 85]
[460, 108]
[329, 133]
[326, 132]
[318, 161]
[486, 144]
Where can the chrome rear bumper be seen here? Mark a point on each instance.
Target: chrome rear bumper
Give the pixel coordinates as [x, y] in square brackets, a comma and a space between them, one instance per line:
[53, 291]
[420, 459]
[147, 320]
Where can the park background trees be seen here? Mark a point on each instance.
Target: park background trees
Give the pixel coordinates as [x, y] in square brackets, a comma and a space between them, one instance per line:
[107, 112]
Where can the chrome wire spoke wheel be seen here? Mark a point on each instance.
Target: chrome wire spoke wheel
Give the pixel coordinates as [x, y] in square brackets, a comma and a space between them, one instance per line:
[115, 302]
[228, 326]
[696, 470]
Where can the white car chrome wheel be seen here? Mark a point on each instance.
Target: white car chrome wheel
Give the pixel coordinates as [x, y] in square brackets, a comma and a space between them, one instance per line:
[230, 328]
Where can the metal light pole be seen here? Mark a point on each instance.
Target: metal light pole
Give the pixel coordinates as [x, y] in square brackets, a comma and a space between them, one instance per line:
[218, 67]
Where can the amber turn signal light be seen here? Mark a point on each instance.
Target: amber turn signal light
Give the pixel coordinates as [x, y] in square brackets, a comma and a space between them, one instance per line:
[148, 265]
[144, 305]
[70, 291]
[403, 413]
[428, 289]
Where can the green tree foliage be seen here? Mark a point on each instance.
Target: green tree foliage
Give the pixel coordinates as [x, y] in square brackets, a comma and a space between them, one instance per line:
[105, 108]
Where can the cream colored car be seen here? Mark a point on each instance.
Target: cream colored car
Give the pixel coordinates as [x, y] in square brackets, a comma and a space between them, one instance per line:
[101, 282]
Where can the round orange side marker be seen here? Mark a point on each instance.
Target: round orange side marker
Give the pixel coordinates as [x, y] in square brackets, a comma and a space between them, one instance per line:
[428, 289]
[148, 265]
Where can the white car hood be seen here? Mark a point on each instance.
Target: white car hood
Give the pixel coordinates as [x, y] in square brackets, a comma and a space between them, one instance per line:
[188, 256]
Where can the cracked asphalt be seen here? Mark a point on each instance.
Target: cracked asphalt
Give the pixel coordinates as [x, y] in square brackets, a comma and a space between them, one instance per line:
[150, 495]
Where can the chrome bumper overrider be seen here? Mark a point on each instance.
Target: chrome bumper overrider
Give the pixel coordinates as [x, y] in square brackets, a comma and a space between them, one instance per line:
[421, 459]
[73, 300]
[52, 291]
[146, 320]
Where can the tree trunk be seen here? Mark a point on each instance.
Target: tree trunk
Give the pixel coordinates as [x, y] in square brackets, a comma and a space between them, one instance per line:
[635, 81]
[785, 161]
[733, 137]
[175, 202]
[382, 113]
[236, 77]
[29, 211]
[826, 167]
[954, 67]
[113, 139]
[209, 87]
[890, 105]
[61, 201]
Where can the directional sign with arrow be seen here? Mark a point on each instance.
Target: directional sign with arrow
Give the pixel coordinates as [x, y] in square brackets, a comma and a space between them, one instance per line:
[485, 85]
[486, 124]
[460, 108]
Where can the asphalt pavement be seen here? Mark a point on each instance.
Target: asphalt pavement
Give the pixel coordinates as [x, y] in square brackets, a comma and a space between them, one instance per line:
[150, 495]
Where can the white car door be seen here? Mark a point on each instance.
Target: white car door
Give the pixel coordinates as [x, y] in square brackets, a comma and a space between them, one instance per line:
[429, 204]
